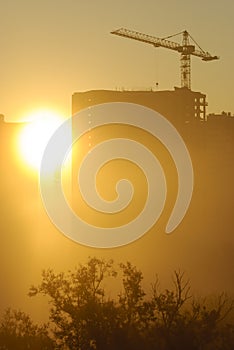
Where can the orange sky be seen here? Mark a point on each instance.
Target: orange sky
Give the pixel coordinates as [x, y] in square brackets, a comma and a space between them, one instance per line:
[51, 49]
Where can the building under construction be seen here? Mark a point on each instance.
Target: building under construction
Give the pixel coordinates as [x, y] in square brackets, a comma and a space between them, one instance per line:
[184, 108]
[179, 106]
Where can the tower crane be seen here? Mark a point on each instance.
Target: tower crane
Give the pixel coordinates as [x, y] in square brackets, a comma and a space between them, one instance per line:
[185, 49]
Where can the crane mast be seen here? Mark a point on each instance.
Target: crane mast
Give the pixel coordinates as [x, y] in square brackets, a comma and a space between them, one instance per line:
[185, 61]
[185, 49]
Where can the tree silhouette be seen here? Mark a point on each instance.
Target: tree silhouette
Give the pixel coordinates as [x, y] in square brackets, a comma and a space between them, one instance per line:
[17, 331]
[194, 327]
[84, 317]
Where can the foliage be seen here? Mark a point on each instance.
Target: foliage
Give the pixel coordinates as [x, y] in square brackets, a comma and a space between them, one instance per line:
[17, 331]
[83, 317]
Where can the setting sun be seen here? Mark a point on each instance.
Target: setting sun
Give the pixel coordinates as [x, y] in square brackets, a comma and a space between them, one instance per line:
[36, 134]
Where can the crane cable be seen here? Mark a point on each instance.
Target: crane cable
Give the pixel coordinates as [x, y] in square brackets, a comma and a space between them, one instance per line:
[196, 43]
[171, 36]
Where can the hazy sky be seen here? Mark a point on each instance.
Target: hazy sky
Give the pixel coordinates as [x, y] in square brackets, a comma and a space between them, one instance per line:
[50, 49]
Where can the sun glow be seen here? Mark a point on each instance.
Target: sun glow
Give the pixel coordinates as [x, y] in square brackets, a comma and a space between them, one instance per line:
[36, 134]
